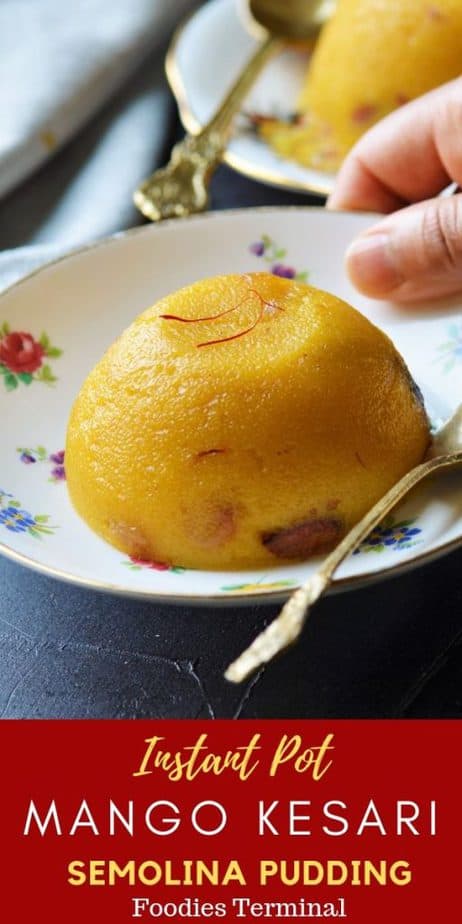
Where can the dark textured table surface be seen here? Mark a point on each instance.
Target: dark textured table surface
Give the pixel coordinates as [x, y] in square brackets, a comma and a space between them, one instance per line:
[388, 650]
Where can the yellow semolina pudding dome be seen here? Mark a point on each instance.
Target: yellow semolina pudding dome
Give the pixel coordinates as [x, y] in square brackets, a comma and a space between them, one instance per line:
[371, 57]
[242, 421]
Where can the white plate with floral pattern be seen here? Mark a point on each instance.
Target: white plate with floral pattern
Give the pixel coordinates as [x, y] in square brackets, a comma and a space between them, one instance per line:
[56, 323]
[217, 31]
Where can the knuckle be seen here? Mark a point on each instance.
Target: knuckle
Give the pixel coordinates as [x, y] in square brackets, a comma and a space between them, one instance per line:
[447, 127]
[450, 105]
[442, 233]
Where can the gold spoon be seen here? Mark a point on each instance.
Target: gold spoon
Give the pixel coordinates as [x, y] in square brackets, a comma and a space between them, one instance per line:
[445, 451]
[181, 188]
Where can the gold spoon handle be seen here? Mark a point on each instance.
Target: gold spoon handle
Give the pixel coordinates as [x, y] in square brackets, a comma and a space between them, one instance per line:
[181, 188]
[286, 628]
[220, 123]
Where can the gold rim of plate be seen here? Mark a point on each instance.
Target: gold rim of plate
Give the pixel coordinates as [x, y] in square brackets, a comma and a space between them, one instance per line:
[265, 596]
[192, 125]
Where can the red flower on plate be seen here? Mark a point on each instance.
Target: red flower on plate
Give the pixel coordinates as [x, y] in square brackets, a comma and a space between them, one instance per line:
[19, 352]
[153, 565]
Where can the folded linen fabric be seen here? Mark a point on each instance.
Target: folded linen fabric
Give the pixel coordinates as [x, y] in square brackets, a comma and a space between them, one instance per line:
[92, 69]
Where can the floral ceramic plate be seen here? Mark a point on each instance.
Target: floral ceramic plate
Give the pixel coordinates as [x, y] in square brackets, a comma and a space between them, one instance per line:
[56, 323]
[217, 31]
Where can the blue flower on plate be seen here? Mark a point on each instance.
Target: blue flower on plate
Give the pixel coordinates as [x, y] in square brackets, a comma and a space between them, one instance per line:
[16, 520]
[450, 352]
[391, 535]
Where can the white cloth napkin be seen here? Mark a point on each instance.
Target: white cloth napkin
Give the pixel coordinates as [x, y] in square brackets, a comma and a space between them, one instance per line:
[60, 64]
[22, 260]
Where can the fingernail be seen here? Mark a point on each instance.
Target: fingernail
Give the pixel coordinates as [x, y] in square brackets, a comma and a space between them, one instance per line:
[371, 264]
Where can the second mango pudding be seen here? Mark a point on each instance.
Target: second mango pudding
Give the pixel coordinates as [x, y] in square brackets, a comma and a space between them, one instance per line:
[372, 57]
[242, 421]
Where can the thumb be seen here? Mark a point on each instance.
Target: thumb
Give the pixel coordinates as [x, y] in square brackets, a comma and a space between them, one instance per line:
[415, 253]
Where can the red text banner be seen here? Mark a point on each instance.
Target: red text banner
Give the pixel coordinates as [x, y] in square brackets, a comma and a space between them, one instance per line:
[187, 820]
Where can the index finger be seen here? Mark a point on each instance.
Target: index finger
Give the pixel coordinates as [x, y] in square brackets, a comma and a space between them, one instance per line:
[408, 156]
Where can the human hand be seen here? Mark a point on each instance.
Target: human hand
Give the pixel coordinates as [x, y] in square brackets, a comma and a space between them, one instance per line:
[411, 156]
